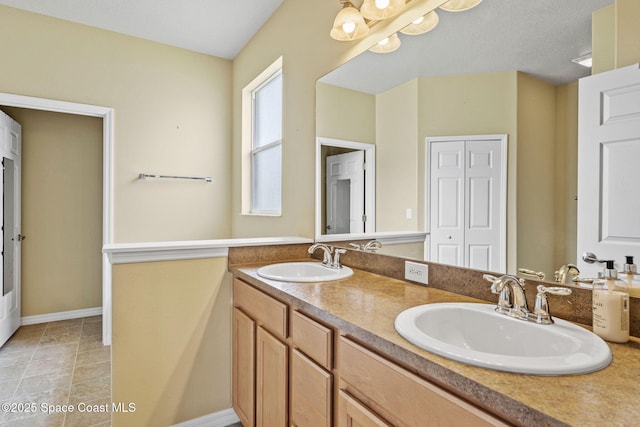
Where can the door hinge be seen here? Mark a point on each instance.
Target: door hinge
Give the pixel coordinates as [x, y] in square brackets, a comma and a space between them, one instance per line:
[364, 166]
[364, 218]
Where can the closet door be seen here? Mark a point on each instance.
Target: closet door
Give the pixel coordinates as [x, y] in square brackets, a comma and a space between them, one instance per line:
[467, 201]
[447, 200]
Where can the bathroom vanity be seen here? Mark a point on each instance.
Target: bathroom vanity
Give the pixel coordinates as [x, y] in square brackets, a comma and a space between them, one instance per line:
[327, 353]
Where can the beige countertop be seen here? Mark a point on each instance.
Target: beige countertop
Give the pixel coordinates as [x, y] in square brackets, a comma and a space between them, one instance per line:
[365, 306]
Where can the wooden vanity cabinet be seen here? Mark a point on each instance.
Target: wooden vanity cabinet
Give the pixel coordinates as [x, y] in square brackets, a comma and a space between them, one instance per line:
[260, 366]
[285, 373]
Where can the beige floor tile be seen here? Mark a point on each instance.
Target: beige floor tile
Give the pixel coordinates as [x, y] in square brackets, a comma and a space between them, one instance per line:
[60, 338]
[53, 397]
[95, 412]
[14, 358]
[12, 372]
[92, 319]
[42, 420]
[54, 365]
[29, 332]
[92, 330]
[90, 372]
[43, 382]
[90, 390]
[68, 322]
[91, 343]
[53, 350]
[7, 388]
[16, 346]
[93, 356]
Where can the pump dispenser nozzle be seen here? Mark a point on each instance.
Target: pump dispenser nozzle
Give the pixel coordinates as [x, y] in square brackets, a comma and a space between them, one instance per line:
[629, 266]
[610, 271]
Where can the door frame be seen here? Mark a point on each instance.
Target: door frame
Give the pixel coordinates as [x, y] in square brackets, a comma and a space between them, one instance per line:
[503, 138]
[370, 180]
[107, 115]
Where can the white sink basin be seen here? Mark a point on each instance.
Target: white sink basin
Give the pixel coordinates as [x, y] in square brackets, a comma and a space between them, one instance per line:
[303, 272]
[477, 335]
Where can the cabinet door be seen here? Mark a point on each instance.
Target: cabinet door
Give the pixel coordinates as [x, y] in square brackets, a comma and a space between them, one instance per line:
[310, 393]
[352, 413]
[244, 334]
[271, 382]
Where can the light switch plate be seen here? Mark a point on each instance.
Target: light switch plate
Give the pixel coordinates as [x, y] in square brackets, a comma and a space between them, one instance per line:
[416, 272]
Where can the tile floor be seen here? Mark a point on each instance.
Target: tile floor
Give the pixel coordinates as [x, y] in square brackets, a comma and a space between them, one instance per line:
[56, 363]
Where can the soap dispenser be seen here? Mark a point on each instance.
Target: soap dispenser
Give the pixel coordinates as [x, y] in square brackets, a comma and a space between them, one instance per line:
[611, 306]
[630, 274]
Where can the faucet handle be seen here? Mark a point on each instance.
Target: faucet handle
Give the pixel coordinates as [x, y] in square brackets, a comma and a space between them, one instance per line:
[541, 308]
[336, 257]
[539, 274]
[489, 278]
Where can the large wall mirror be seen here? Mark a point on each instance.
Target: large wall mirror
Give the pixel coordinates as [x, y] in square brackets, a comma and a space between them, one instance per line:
[503, 67]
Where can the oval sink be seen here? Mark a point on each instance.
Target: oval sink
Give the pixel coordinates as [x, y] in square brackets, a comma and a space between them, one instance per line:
[303, 272]
[475, 334]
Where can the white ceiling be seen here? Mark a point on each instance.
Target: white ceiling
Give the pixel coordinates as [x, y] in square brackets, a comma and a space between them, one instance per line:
[539, 37]
[215, 27]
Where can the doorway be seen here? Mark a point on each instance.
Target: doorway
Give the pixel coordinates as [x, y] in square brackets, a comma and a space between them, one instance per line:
[107, 115]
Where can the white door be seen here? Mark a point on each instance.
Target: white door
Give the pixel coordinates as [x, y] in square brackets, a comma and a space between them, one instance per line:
[10, 150]
[345, 193]
[468, 202]
[609, 167]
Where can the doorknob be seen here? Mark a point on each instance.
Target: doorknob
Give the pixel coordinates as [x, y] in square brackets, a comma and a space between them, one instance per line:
[21, 237]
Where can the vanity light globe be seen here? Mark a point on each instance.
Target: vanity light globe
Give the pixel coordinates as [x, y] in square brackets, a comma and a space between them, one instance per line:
[349, 25]
[422, 25]
[375, 10]
[387, 45]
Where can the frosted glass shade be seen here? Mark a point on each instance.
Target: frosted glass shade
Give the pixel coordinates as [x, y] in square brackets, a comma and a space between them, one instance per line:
[387, 45]
[375, 10]
[422, 25]
[349, 25]
[459, 5]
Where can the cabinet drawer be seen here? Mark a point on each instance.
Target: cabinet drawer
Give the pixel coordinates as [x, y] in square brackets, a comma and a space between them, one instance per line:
[268, 312]
[312, 338]
[400, 396]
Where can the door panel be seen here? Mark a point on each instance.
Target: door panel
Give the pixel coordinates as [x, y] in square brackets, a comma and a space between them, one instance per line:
[10, 150]
[345, 193]
[271, 380]
[608, 173]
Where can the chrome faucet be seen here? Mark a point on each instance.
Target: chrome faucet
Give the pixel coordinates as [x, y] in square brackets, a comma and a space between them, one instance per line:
[561, 274]
[539, 274]
[372, 246]
[331, 258]
[513, 302]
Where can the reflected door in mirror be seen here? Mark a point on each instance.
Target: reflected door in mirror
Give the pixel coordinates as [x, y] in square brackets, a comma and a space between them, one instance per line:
[345, 193]
[468, 201]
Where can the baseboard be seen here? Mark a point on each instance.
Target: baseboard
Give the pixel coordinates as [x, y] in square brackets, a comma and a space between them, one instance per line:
[217, 419]
[62, 315]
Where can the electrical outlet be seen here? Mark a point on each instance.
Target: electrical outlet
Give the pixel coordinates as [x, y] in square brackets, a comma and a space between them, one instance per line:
[416, 272]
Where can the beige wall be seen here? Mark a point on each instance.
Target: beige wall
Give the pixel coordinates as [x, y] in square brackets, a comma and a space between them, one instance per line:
[61, 211]
[616, 36]
[171, 340]
[473, 105]
[397, 160]
[537, 180]
[172, 116]
[308, 53]
[345, 114]
[567, 175]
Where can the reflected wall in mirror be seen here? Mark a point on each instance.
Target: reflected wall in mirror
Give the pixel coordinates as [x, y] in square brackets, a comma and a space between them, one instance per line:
[434, 86]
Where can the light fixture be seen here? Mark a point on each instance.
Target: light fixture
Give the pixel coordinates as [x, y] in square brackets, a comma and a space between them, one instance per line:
[584, 60]
[459, 5]
[422, 25]
[349, 24]
[375, 10]
[386, 45]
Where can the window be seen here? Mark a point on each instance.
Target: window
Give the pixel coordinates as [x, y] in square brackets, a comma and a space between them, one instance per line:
[263, 160]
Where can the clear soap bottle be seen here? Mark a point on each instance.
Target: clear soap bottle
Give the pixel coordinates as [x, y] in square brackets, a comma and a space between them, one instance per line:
[611, 306]
[630, 274]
